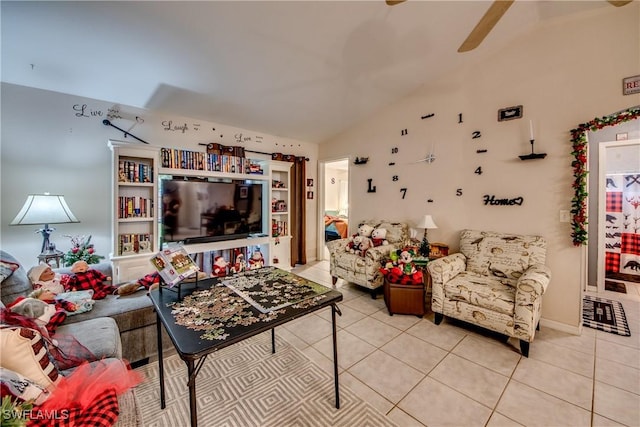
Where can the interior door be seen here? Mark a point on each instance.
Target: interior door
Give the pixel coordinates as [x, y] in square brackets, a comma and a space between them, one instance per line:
[618, 212]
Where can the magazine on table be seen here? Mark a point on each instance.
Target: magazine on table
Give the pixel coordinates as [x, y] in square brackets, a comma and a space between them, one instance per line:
[174, 264]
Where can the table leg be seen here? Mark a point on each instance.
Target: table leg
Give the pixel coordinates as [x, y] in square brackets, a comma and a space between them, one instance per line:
[334, 309]
[192, 372]
[160, 361]
[273, 340]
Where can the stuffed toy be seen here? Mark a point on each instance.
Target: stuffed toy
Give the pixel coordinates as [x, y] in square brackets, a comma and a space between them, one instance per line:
[45, 315]
[357, 240]
[220, 266]
[150, 282]
[379, 237]
[42, 276]
[401, 269]
[240, 265]
[360, 245]
[85, 278]
[405, 261]
[256, 260]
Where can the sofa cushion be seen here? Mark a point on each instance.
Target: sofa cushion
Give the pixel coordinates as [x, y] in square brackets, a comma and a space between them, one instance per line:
[100, 336]
[130, 312]
[501, 255]
[483, 291]
[17, 284]
[397, 232]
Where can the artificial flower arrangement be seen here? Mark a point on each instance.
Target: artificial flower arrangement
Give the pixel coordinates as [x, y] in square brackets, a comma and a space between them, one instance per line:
[81, 250]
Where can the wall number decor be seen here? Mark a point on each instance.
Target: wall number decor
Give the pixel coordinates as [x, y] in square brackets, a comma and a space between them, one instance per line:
[460, 118]
[478, 170]
[404, 132]
[371, 189]
[404, 192]
[476, 134]
[427, 116]
[394, 178]
[510, 113]
[492, 201]
[459, 192]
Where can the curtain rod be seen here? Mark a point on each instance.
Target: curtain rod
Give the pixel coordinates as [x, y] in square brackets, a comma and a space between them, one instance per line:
[251, 151]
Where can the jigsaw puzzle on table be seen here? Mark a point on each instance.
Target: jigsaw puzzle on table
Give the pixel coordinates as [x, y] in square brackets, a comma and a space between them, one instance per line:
[269, 288]
[229, 304]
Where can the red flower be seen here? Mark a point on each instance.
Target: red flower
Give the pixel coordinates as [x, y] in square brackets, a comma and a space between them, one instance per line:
[75, 250]
[90, 250]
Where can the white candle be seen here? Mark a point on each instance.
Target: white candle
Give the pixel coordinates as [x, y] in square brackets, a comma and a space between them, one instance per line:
[531, 129]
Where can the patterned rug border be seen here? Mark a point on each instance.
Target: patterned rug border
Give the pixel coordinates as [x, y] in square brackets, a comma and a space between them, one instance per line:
[621, 327]
[242, 385]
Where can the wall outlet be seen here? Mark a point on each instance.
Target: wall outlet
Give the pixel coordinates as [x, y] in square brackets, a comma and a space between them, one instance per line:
[565, 216]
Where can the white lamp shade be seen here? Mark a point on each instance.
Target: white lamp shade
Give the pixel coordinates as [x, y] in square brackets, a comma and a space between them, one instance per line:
[426, 222]
[44, 209]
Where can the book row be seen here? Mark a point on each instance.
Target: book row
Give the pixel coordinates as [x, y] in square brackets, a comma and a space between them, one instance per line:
[195, 160]
[135, 207]
[130, 244]
[134, 171]
[279, 228]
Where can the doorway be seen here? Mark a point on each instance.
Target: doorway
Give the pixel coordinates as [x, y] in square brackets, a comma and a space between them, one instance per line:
[619, 217]
[333, 205]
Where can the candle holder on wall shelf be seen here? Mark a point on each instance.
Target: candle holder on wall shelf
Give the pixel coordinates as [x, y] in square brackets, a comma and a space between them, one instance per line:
[533, 155]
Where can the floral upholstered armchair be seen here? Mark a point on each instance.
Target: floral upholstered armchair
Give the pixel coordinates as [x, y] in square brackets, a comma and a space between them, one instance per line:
[364, 270]
[496, 282]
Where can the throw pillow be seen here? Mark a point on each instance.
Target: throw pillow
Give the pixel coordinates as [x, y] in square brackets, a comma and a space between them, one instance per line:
[7, 268]
[25, 352]
[20, 387]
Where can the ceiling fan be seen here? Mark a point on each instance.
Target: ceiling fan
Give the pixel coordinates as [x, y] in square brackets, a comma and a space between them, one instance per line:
[490, 19]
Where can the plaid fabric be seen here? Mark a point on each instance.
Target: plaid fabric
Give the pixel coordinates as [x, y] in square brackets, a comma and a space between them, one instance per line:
[149, 280]
[103, 412]
[395, 276]
[56, 320]
[614, 201]
[630, 244]
[60, 316]
[91, 279]
[612, 262]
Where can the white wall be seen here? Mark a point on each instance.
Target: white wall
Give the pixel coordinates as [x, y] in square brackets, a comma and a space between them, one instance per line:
[567, 72]
[50, 144]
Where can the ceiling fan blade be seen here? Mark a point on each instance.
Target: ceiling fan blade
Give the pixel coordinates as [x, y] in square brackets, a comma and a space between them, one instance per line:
[394, 2]
[619, 3]
[485, 25]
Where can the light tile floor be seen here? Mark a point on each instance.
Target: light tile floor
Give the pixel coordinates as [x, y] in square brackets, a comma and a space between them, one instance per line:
[420, 374]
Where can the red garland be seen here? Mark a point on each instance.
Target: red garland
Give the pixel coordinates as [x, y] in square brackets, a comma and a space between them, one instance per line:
[579, 144]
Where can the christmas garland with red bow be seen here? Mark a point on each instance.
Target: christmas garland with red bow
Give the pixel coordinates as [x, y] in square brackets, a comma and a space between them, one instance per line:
[579, 144]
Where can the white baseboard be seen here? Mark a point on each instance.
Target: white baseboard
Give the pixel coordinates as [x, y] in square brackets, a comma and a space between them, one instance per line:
[574, 330]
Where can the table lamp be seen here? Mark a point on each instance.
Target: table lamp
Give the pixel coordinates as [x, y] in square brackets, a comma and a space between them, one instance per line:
[426, 222]
[44, 209]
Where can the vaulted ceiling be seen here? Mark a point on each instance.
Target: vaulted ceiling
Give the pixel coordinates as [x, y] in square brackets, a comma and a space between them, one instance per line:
[301, 69]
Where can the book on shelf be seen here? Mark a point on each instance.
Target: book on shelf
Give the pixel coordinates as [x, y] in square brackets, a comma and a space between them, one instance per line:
[134, 207]
[218, 158]
[131, 243]
[174, 264]
[134, 171]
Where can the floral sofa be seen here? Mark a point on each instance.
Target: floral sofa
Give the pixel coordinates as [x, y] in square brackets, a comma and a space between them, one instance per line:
[496, 281]
[365, 270]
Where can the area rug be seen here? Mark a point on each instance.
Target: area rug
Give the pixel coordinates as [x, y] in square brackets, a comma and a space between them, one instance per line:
[246, 385]
[605, 315]
[610, 285]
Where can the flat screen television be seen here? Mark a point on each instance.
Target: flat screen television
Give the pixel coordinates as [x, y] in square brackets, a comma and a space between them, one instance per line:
[198, 211]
